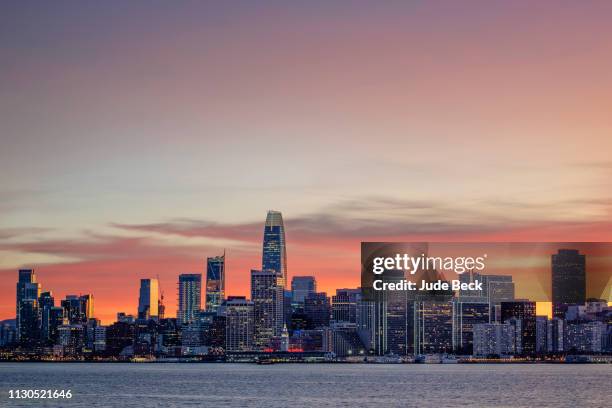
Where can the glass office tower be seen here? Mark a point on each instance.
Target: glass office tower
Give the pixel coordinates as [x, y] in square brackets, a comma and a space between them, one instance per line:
[274, 257]
[215, 282]
[190, 294]
[148, 300]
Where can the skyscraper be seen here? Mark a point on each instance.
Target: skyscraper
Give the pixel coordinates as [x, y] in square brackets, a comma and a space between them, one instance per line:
[28, 292]
[77, 309]
[239, 324]
[344, 305]
[494, 339]
[525, 311]
[72, 309]
[148, 300]
[190, 294]
[267, 297]
[87, 306]
[215, 282]
[317, 309]
[466, 315]
[433, 328]
[568, 280]
[45, 302]
[496, 289]
[301, 287]
[274, 257]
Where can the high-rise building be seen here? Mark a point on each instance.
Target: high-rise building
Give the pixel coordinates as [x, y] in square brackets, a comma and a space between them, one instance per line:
[87, 306]
[433, 327]
[267, 297]
[541, 334]
[148, 299]
[496, 289]
[239, 324]
[317, 310]
[585, 337]
[27, 317]
[190, 296]
[77, 309]
[494, 339]
[8, 333]
[385, 323]
[568, 280]
[555, 335]
[72, 309]
[72, 337]
[215, 282]
[466, 314]
[301, 287]
[344, 305]
[274, 257]
[46, 302]
[55, 318]
[525, 311]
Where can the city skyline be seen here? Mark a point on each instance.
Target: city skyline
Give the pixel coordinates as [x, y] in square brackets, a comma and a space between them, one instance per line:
[535, 262]
[488, 321]
[531, 273]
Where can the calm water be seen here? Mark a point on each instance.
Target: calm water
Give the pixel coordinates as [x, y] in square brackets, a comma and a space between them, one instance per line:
[301, 385]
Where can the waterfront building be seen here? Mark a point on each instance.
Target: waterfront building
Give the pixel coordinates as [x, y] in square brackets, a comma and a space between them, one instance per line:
[555, 334]
[494, 339]
[433, 327]
[525, 312]
[267, 297]
[346, 341]
[466, 314]
[239, 324]
[99, 344]
[71, 337]
[585, 337]
[119, 336]
[541, 335]
[8, 333]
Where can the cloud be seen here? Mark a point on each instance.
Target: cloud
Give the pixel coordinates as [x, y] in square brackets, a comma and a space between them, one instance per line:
[92, 247]
[392, 219]
[9, 233]
[191, 228]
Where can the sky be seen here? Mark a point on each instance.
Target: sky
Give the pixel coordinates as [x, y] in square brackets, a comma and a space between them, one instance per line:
[138, 139]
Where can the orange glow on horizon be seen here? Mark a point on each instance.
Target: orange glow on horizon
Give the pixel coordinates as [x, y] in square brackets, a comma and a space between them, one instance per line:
[544, 309]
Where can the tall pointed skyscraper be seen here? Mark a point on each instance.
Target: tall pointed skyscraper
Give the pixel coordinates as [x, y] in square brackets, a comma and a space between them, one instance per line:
[274, 256]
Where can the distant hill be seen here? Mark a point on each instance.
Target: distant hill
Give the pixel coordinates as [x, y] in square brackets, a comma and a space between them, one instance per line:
[10, 322]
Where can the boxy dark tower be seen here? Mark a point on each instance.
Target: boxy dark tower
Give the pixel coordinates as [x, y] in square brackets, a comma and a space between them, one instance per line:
[568, 280]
